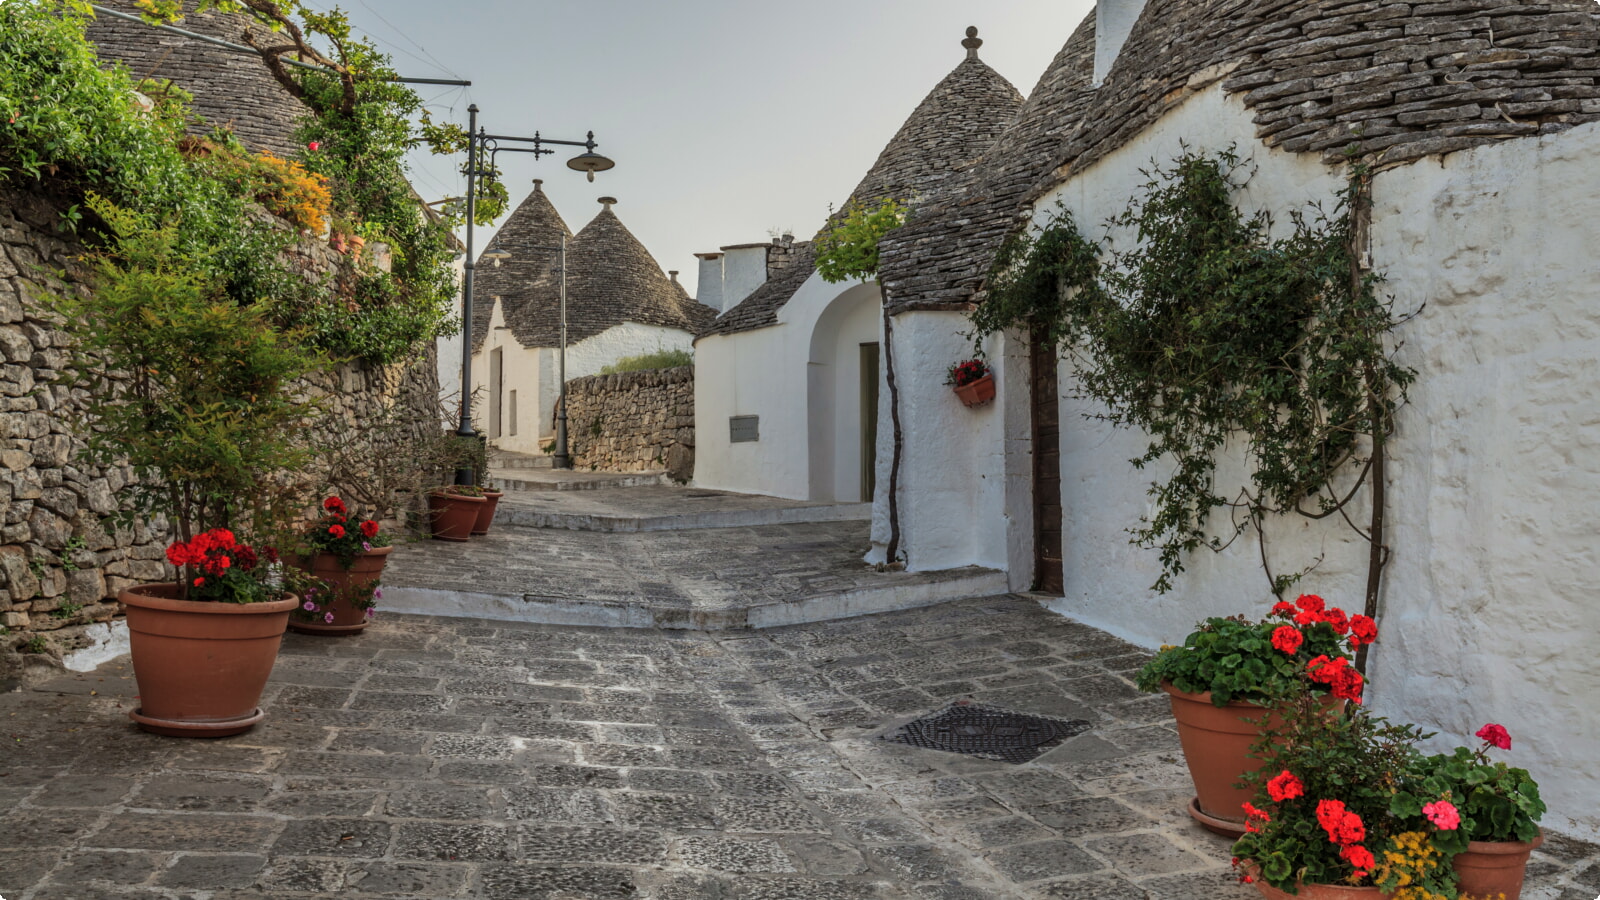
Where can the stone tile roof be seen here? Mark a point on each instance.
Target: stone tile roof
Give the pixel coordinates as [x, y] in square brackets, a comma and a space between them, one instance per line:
[528, 233]
[1393, 82]
[229, 88]
[611, 279]
[944, 136]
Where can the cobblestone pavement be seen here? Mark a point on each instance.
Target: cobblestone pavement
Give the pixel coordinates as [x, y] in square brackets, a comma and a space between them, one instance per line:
[435, 758]
[705, 577]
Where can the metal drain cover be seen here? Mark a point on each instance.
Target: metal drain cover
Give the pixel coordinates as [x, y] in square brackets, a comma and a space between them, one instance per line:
[988, 732]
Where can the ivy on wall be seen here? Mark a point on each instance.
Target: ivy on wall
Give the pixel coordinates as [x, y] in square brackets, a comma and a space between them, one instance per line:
[1209, 331]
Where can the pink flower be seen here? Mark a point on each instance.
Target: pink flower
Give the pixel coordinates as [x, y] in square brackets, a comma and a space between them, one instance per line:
[377, 593]
[1443, 815]
[1496, 735]
[308, 606]
[365, 546]
[371, 613]
[328, 617]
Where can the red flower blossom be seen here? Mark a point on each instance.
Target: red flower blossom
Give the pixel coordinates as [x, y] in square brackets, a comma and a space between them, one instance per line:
[334, 504]
[369, 529]
[1288, 639]
[1283, 608]
[1362, 630]
[1285, 787]
[336, 530]
[1335, 617]
[313, 146]
[1329, 814]
[1310, 603]
[1342, 679]
[1359, 857]
[1496, 735]
[199, 582]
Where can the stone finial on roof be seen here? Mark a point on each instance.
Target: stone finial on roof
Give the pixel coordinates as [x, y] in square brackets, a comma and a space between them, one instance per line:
[673, 273]
[607, 201]
[973, 42]
[538, 184]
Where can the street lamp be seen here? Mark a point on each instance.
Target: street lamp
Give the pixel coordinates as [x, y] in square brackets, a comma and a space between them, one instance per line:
[560, 459]
[478, 143]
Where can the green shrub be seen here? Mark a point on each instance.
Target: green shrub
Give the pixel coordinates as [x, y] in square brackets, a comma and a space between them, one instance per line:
[661, 359]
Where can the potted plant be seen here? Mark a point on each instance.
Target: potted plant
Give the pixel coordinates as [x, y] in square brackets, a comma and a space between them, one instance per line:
[972, 380]
[453, 511]
[1226, 676]
[1343, 813]
[192, 390]
[486, 511]
[346, 559]
[1499, 809]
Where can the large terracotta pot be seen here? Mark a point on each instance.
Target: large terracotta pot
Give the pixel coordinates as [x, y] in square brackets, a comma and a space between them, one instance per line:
[486, 511]
[1322, 892]
[1216, 745]
[978, 392]
[365, 569]
[201, 667]
[453, 515]
[1487, 869]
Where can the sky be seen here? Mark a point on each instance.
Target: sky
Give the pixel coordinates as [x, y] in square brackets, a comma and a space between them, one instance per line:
[729, 120]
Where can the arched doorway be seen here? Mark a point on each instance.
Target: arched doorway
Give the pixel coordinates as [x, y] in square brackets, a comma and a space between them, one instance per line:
[841, 396]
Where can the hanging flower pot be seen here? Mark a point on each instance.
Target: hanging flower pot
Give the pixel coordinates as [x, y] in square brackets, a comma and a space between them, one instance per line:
[972, 381]
[453, 511]
[486, 511]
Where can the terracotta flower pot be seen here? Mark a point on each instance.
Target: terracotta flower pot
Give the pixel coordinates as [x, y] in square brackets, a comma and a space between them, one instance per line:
[486, 511]
[1322, 892]
[978, 392]
[1487, 869]
[1216, 745]
[453, 515]
[201, 667]
[366, 568]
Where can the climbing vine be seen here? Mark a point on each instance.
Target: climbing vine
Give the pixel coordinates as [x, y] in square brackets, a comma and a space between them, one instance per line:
[1210, 332]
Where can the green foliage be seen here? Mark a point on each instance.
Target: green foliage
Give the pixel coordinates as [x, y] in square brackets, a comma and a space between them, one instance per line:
[1355, 758]
[67, 610]
[1496, 802]
[186, 385]
[1211, 331]
[36, 644]
[660, 359]
[1234, 659]
[847, 248]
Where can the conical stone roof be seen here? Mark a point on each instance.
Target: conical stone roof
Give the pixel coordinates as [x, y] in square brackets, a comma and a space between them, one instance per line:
[528, 235]
[611, 279]
[944, 136]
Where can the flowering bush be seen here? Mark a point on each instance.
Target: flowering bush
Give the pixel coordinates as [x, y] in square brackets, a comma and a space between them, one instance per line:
[1342, 803]
[1491, 801]
[1299, 643]
[337, 534]
[964, 373]
[214, 567]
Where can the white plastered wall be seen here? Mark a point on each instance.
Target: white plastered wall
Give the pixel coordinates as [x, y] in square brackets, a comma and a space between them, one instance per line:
[965, 482]
[1493, 470]
[533, 372]
[801, 377]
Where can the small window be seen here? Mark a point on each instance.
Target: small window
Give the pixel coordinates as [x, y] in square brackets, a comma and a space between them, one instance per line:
[744, 429]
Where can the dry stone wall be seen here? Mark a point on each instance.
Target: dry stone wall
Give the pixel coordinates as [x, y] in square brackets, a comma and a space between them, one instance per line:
[62, 563]
[633, 422]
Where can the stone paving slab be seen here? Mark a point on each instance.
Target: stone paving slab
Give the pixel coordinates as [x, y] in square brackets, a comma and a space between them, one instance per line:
[444, 758]
[665, 507]
[518, 480]
[724, 578]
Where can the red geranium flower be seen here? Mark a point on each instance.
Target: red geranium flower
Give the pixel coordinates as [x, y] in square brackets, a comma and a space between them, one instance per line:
[1283, 608]
[1288, 639]
[1336, 618]
[1362, 630]
[1359, 857]
[336, 530]
[1496, 735]
[1285, 787]
[369, 529]
[333, 504]
[1310, 603]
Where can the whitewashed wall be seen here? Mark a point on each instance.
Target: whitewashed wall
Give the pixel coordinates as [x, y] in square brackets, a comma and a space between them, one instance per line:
[801, 376]
[1494, 477]
[533, 372]
[964, 483]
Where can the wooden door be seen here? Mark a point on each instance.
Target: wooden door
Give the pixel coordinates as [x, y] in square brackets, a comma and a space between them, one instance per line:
[1046, 406]
[869, 421]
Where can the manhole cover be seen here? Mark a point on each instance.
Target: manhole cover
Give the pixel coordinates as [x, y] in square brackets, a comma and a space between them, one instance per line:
[988, 732]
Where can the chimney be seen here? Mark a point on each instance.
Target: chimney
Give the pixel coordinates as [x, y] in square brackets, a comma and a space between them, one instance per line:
[1113, 22]
[710, 289]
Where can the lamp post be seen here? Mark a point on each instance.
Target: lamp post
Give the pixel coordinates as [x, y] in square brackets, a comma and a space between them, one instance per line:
[559, 459]
[478, 143]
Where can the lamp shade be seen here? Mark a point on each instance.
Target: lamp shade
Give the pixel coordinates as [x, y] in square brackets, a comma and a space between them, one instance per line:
[590, 162]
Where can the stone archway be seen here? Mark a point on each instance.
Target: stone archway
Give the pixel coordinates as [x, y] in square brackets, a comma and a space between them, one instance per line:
[836, 373]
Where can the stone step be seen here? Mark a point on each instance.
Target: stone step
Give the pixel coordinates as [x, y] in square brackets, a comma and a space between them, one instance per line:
[897, 592]
[500, 459]
[566, 480]
[514, 515]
